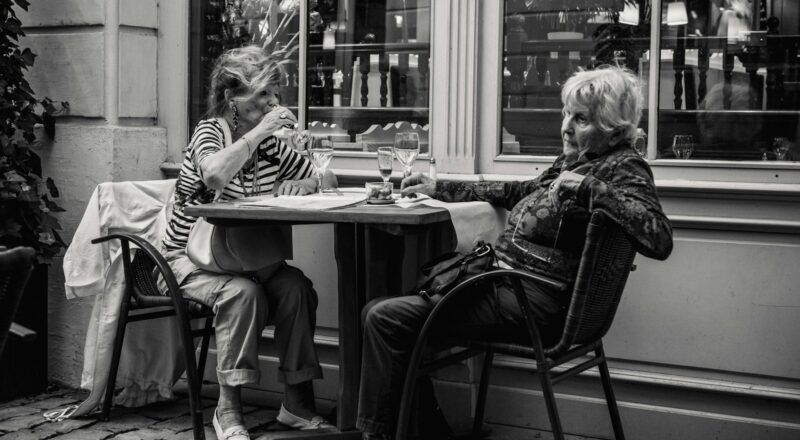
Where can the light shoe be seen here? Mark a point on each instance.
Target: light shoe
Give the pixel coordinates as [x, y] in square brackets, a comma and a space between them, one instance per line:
[297, 422]
[235, 432]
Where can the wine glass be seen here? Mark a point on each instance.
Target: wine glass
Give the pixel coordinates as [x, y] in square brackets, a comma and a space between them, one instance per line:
[683, 146]
[320, 155]
[406, 149]
[385, 158]
[780, 145]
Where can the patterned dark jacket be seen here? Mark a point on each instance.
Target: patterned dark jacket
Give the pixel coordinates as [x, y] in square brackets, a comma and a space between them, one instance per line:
[540, 239]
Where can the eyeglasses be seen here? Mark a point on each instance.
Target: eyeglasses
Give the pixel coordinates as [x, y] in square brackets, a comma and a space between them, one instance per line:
[549, 258]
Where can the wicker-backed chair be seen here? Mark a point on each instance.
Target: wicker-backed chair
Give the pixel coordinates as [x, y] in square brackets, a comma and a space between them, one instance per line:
[606, 261]
[16, 266]
[142, 301]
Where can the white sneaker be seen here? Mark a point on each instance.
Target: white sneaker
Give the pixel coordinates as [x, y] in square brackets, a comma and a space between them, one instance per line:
[235, 432]
[297, 422]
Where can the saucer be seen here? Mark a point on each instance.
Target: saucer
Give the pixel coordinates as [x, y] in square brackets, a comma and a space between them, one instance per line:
[380, 201]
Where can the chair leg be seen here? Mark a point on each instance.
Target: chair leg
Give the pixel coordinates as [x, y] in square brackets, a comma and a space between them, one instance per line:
[201, 365]
[115, 355]
[611, 400]
[550, 403]
[195, 409]
[483, 388]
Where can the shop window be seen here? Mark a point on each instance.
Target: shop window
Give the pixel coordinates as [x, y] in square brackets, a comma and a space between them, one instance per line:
[367, 62]
[729, 77]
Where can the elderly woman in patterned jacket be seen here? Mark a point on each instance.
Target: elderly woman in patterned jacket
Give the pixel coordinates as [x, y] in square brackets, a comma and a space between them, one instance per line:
[598, 169]
[243, 101]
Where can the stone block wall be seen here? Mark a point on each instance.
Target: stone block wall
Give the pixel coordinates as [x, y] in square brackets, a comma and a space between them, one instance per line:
[102, 57]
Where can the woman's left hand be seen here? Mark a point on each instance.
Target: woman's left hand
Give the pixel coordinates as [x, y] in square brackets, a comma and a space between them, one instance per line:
[297, 187]
[565, 187]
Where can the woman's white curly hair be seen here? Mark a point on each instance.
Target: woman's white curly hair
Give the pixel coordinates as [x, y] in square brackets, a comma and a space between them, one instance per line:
[613, 96]
[242, 70]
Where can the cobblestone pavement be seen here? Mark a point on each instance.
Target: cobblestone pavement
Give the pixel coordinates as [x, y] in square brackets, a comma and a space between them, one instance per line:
[23, 419]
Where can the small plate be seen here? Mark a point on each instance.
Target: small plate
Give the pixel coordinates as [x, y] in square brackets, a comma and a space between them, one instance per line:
[380, 201]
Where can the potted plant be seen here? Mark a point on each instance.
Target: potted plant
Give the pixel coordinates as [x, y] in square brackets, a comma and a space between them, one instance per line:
[26, 199]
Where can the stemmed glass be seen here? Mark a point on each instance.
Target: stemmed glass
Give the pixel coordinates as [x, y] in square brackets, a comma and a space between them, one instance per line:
[320, 155]
[780, 145]
[683, 146]
[385, 159]
[297, 139]
[406, 149]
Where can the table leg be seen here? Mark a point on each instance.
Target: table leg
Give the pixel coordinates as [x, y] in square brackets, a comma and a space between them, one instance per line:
[349, 243]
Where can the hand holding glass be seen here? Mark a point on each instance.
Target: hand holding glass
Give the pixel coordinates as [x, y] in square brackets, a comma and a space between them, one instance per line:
[320, 155]
[406, 149]
[385, 159]
[683, 146]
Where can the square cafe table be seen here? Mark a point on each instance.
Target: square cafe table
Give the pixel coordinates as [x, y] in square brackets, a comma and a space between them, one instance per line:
[368, 242]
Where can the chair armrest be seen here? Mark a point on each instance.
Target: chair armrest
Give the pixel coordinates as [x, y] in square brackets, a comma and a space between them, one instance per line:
[152, 252]
[509, 273]
[22, 332]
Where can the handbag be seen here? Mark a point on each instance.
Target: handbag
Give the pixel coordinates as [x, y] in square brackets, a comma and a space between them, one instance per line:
[238, 249]
[442, 274]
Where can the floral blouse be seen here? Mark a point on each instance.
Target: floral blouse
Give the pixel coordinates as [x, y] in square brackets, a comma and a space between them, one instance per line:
[540, 239]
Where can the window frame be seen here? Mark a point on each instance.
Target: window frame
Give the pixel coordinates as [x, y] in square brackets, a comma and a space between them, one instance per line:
[490, 30]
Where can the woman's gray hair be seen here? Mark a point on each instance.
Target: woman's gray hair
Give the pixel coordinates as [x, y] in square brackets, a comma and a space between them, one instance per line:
[613, 96]
[242, 70]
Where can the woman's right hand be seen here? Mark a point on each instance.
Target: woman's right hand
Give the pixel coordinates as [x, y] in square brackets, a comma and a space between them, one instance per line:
[276, 119]
[417, 184]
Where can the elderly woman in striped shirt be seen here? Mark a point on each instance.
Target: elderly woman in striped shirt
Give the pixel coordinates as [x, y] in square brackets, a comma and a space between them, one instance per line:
[243, 104]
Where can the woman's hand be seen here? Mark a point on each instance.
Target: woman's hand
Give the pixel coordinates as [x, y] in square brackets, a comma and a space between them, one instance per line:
[417, 184]
[565, 187]
[274, 120]
[297, 187]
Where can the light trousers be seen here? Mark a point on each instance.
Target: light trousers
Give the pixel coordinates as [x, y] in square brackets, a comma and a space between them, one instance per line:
[243, 307]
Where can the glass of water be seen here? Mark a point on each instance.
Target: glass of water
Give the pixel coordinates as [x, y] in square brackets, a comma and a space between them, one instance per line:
[385, 159]
[320, 155]
[683, 146]
[406, 149]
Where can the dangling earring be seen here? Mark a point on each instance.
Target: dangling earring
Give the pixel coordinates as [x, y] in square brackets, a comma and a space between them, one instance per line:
[235, 113]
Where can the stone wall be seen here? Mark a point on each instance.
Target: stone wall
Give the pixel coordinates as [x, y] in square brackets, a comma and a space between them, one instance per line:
[102, 57]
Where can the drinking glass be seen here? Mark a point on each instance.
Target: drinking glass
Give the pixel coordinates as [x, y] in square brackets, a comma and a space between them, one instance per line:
[406, 149]
[298, 139]
[780, 145]
[385, 159]
[683, 146]
[320, 155]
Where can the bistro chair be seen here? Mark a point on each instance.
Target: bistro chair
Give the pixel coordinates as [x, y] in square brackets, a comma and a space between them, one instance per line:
[143, 300]
[16, 266]
[606, 261]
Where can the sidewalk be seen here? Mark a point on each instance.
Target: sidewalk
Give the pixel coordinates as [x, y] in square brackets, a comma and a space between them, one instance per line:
[23, 419]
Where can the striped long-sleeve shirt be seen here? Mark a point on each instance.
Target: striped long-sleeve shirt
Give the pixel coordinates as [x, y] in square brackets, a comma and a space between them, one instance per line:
[276, 162]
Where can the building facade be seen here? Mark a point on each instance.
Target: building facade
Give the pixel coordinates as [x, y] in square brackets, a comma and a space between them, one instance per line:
[703, 344]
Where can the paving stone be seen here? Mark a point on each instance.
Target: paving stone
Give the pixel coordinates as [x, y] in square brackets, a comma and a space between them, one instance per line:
[148, 434]
[54, 402]
[8, 413]
[166, 410]
[259, 418]
[23, 422]
[47, 430]
[119, 423]
[189, 435]
[85, 434]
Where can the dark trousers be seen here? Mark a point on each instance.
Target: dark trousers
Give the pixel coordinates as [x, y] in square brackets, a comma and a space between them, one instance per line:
[391, 327]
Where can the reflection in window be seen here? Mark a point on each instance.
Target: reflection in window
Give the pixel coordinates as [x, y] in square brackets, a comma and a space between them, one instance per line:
[730, 78]
[368, 71]
[545, 42]
[368, 62]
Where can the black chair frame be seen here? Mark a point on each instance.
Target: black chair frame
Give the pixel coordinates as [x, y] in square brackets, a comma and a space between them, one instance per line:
[606, 261]
[16, 266]
[141, 293]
